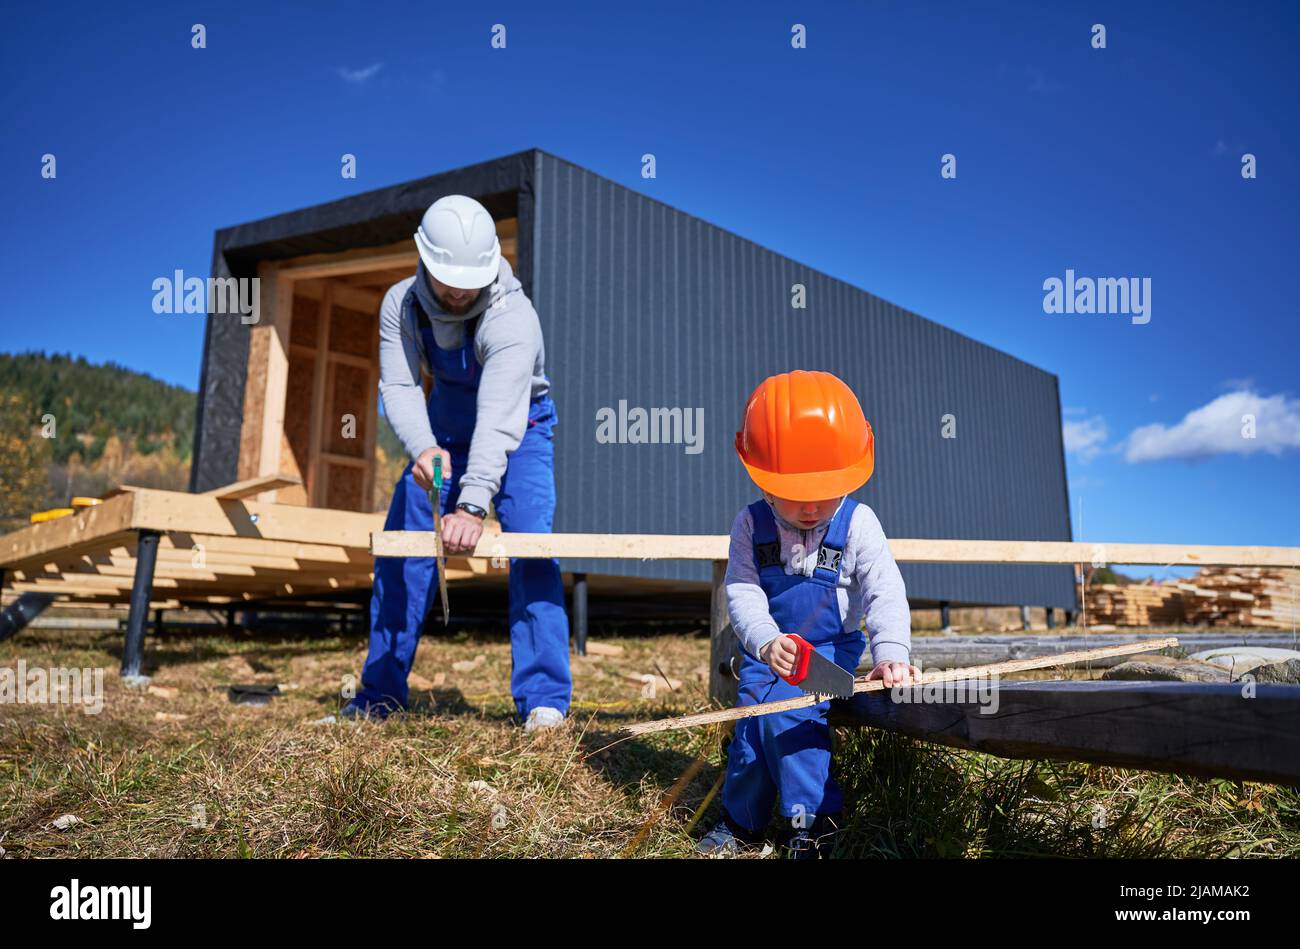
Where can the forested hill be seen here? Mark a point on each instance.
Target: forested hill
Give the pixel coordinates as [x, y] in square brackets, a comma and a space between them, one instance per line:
[92, 404]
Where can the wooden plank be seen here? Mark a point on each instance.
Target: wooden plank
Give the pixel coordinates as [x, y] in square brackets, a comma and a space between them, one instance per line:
[88, 526]
[621, 546]
[876, 685]
[715, 547]
[949, 652]
[1209, 730]
[400, 255]
[354, 298]
[253, 486]
[278, 325]
[259, 546]
[196, 514]
[212, 570]
[267, 380]
[1050, 552]
[723, 644]
[250, 430]
[346, 460]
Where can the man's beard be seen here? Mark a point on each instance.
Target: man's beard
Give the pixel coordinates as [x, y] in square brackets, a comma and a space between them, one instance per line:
[456, 309]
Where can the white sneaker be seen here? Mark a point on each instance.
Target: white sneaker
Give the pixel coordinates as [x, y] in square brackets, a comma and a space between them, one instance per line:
[543, 717]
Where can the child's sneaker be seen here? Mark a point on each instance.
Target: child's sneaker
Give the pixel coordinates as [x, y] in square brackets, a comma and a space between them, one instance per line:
[726, 839]
[813, 842]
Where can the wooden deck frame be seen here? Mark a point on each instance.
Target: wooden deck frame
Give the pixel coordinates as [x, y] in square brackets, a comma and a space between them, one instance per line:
[161, 549]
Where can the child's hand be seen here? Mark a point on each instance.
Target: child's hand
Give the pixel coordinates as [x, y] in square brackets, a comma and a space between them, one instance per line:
[780, 655]
[894, 673]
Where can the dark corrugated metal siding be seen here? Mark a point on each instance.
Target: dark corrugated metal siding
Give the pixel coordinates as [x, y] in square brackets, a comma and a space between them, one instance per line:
[644, 303]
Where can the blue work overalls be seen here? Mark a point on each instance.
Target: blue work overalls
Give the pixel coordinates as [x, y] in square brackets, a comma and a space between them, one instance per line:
[405, 587]
[789, 753]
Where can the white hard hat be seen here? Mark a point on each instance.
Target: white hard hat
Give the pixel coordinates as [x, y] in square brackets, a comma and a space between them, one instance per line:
[458, 243]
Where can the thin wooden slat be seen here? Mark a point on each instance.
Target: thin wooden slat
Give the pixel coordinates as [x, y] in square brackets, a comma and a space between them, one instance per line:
[338, 265]
[174, 511]
[253, 486]
[861, 685]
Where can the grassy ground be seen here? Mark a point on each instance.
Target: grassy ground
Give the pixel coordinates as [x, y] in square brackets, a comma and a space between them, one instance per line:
[180, 771]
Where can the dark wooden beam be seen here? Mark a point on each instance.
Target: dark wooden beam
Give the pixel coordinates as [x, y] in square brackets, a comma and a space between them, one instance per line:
[957, 652]
[1183, 728]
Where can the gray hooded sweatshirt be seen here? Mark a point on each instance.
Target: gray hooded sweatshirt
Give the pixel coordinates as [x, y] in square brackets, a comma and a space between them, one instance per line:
[871, 592]
[508, 344]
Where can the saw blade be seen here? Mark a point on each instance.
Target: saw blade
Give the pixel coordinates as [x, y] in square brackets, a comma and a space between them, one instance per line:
[826, 678]
[435, 500]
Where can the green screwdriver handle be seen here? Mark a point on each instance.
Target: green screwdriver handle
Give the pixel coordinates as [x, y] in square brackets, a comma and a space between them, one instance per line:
[435, 492]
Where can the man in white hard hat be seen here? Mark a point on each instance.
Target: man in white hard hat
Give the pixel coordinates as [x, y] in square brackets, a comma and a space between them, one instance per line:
[491, 420]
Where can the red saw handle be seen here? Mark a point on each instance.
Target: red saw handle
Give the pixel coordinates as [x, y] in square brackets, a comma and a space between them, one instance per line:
[800, 660]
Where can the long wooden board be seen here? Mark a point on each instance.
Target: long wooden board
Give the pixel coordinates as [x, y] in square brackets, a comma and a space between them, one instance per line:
[715, 547]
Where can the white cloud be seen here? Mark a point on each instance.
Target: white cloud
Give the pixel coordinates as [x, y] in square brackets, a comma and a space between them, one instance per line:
[1219, 428]
[359, 75]
[1086, 438]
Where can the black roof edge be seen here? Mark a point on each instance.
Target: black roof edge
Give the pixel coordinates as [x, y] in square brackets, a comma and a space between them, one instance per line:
[293, 232]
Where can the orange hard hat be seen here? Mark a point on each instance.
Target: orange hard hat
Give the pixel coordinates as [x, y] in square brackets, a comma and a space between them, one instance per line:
[804, 437]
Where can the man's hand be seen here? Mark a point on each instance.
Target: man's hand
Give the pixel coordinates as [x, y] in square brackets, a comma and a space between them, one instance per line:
[894, 673]
[461, 531]
[422, 472]
[780, 655]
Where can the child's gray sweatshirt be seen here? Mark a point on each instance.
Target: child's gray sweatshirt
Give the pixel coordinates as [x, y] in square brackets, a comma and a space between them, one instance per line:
[870, 587]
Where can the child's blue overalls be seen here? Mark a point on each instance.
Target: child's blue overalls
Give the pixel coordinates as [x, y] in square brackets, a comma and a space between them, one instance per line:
[406, 586]
[790, 752]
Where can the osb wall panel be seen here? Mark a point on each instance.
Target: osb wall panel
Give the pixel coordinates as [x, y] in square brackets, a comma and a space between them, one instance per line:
[348, 394]
[344, 485]
[353, 332]
[306, 322]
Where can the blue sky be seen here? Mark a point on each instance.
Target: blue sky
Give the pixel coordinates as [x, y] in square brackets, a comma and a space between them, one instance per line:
[1116, 162]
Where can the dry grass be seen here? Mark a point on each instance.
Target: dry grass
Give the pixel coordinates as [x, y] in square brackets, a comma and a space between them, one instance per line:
[191, 775]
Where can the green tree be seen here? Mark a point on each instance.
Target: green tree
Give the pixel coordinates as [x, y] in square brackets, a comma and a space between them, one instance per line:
[24, 459]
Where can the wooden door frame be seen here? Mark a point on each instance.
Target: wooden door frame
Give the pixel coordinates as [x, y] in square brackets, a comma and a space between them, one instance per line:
[266, 382]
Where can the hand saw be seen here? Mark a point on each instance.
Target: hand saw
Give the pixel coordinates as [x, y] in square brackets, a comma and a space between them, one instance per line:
[435, 498]
[816, 674]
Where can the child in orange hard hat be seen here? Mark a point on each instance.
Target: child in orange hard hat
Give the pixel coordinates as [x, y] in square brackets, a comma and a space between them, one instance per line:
[805, 560]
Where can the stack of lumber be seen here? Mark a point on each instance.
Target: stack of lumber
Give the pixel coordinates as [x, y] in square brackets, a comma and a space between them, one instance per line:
[1138, 604]
[1244, 596]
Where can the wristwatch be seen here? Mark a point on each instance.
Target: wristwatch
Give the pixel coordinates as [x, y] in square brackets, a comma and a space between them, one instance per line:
[472, 509]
